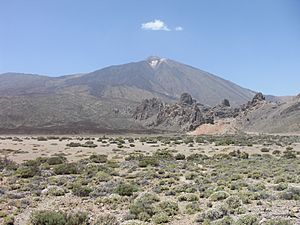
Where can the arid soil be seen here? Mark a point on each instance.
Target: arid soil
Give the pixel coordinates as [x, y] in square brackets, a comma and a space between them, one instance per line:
[150, 180]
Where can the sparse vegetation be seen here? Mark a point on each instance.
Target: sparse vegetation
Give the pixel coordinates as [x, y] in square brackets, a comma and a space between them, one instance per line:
[59, 218]
[205, 184]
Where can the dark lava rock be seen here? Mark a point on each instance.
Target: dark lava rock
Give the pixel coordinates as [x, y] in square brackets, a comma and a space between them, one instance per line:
[258, 98]
[225, 103]
[186, 98]
[148, 108]
[185, 116]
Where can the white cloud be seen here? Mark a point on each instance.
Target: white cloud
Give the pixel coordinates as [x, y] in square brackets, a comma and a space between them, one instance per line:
[179, 28]
[155, 25]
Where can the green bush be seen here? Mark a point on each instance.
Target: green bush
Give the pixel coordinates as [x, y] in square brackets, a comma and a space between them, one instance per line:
[168, 207]
[125, 189]
[89, 144]
[218, 196]
[6, 163]
[66, 168]
[148, 160]
[102, 176]
[55, 160]
[180, 156]
[276, 152]
[160, 218]
[265, 150]
[289, 155]
[42, 139]
[225, 142]
[278, 221]
[248, 220]
[98, 158]
[281, 186]
[188, 198]
[292, 193]
[227, 220]
[192, 208]
[216, 213]
[79, 218]
[58, 218]
[55, 191]
[197, 157]
[163, 154]
[35, 163]
[107, 219]
[233, 202]
[81, 190]
[143, 207]
[27, 171]
[74, 144]
[9, 220]
[48, 218]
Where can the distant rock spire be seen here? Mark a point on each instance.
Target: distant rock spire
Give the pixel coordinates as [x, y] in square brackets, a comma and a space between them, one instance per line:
[258, 98]
[186, 98]
[225, 103]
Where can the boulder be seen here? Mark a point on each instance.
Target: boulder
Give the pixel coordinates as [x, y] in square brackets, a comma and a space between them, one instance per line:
[225, 103]
[186, 98]
[258, 98]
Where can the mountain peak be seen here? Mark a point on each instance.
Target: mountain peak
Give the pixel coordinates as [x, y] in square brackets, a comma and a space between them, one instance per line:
[155, 61]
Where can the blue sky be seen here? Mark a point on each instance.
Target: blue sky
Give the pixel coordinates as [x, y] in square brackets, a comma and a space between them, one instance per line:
[254, 43]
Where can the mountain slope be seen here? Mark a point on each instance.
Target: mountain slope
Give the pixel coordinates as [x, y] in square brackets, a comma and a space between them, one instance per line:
[105, 99]
[154, 77]
[162, 78]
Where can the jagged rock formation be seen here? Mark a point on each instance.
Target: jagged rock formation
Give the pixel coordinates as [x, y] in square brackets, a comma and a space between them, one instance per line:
[256, 102]
[225, 111]
[148, 108]
[258, 115]
[186, 115]
[186, 98]
[258, 98]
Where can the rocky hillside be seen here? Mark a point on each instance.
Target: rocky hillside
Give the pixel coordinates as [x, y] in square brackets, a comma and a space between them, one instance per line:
[271, 117]
[259, 116]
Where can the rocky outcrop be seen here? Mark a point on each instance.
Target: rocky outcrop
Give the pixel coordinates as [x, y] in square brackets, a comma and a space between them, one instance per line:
[186, 115]
[148, 108]
[186, 99]
[258, 115]
[257, 101]
[258, 98]
[225, 103]
[223, 110]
